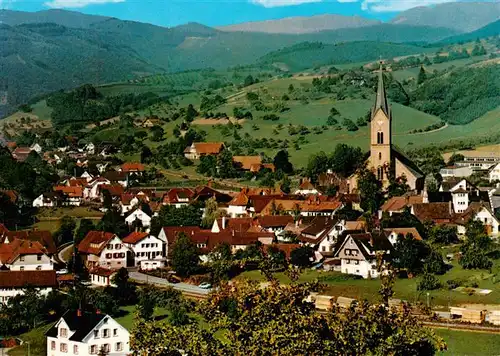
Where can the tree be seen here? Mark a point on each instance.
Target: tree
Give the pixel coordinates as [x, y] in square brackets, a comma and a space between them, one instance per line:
[282, 163]
[428, 282]
[302, 256]
[317, 164]
[188, 215]
[107, 199]
[286, 184]
[157, 133]
[207, 166]
[248, 81]
[475, 247]
[146, 154]
[212, 212]
[147, 303]
[345, 159]
[291, 89]
[65, 232]
[225, 165]
[410, 253]
[370, 190]
[113, 221]
[443, 235]
[398, 186]
[434, 262]
[84, 228]
[285, 323]
[455, 157]
[184, 256]
[422, 76]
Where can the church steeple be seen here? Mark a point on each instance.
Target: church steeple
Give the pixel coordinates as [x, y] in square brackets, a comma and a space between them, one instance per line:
[381, 100]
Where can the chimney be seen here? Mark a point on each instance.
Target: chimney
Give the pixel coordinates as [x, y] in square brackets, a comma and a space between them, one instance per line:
[79, 312]
[223, 223]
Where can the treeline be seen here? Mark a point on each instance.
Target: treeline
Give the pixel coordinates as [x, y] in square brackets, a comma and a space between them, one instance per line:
[461, 96]
[86, 105]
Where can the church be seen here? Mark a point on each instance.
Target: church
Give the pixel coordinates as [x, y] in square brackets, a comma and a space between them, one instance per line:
[385, 159]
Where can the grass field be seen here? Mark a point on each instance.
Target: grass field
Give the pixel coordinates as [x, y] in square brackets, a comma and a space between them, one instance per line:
[405, 289]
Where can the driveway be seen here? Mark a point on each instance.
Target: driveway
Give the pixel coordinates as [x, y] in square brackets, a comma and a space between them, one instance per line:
[183, 287]
[63, 251]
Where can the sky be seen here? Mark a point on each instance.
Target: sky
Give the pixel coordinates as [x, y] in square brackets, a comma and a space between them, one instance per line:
[222, 12]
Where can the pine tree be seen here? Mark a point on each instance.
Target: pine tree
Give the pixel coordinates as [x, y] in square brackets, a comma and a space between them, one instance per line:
[422, 76]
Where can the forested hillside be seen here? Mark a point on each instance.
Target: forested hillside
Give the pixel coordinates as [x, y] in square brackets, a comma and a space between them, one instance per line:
[310, 54]
[461, 96]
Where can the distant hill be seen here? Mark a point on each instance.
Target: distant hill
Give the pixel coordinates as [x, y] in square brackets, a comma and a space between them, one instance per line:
[300, 25]
[307, 55]
[60, 17]
[460, 16]
[40, 57]
[492, 29]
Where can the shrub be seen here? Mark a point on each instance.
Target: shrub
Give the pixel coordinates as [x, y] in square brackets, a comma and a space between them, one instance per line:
[428, 282]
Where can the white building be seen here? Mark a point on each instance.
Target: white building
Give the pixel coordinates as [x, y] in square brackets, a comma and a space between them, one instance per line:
[82, 333]
[140, 215]
[358, 254]
[103, 249]
[14, 283]
[147, 250]
[102, 277]
[307, 188]
[24, 255]
[456, 172]
[45, 200]
[91, 191]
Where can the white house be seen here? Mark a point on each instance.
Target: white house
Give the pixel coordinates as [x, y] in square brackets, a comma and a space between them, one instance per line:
[494, 173]
[456, 172]
[45, 200]
[307, 188]
[147, 249]
[37, 148]
[87, 176]
[90, 148]
[238, 206]
[140, 215]
[14, 283]
[393, 234]
[24, 255]
[91, 191]
[358, 253]
[82, 333]
[480, 212]
[102, 277]
[103, 249]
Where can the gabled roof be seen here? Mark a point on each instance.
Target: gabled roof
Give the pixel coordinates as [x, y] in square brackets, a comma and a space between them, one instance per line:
[306, 185]
[246, 162]
[270, 221]
[12, 194]
[95, 241]
[368, 243]
[171, 232]
[206, 148]
[115, 190]
[473, 209]
[401, 157]
[135, 237]
[20, 279]
[403, 231]
[133, 167]
[433, 211]
[239, 224]
[319, 224]
[43, 237]
[9, 252]
[115, 176]
[240, 200]
[82, 324]
[101, 271]
[174, 194]
[399, 203]
[74, 192]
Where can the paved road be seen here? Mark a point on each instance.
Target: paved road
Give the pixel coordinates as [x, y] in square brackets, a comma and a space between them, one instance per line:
[63, 251]
[183, 287]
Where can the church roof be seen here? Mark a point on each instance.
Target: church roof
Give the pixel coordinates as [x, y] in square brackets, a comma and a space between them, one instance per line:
[400, 156]
[381, 100]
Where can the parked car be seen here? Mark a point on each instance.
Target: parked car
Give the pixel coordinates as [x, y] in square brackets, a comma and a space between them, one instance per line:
[173, 279]
[205, 285]
[62, 271]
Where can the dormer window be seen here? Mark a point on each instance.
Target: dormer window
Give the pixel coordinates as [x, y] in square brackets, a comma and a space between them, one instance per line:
[63, 332]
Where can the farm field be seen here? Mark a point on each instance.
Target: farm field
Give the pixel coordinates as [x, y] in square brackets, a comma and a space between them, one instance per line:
[406, 289]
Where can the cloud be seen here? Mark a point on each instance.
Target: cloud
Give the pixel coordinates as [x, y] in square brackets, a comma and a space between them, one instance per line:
[397, 5]
[60, 4]
[276, 3]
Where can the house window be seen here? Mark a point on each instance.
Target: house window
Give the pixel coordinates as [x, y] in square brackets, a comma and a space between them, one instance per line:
[53, 345]
[38, 268]
[64, 348]
[21, 268]
[109, 246]
[93, 349]
[38, 257]
[119, 346]
[21, 258]
[380, 173]
[380, 138]
[105, 333]
[109, 255]
[115, 332]
[75, 349]
[118, 246]
[380, 156]
[96, 334]
[106, 348]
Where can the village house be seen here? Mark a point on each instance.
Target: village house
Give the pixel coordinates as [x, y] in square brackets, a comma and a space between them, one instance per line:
[117, 178]
[310, 207]
[394, 233]
[199, 149]
[47, 200]
[133, 168]
[275, 224]
[103, 249]
[238, 206]
[397, 205]
[91, 191]
[14, 283]
[462, 193]
[102, 277]
[307, 188]
[138, 215]
[478, 160]
[438, 213]
[480, 212]
[83, 333]
[456, 172]
[20, 154]
[178, 197]
[24, 255]
[72, 196]
[147, 250]
[358, 253]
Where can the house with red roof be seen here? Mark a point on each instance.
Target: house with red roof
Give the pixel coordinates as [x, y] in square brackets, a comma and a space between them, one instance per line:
[103, 249]
[91, 191]
[199, 149]
[13, 283]
[147, 250]
[102, 277]
[307, 188]
[133, 167]
[178, 197]
[72, 196]
[24, 255]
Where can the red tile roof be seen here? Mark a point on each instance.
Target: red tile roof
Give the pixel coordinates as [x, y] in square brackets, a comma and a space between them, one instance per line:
[399, 203]
[270, 221]
[436, 212]
[19, 279]
[70, 191]
[12, 194]
[135, 237]
[115, 190]
[94, 242]
[133, 167]
[77, 182]
[207, 148]
[103, 272]
[43, 237]
[403, 231]
[306, 185]
[9, 252]
[175, 194]
[246, 162]
[171, 232]
[240, 200]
